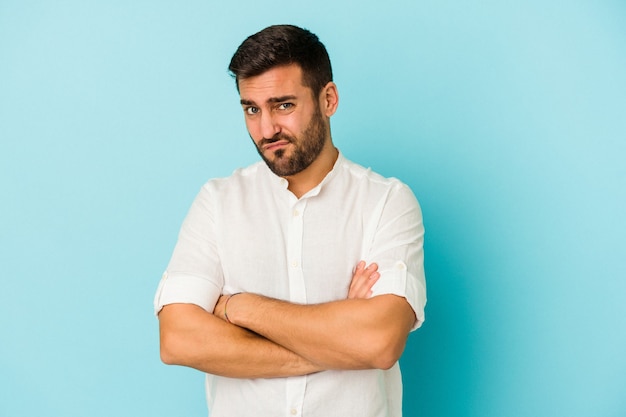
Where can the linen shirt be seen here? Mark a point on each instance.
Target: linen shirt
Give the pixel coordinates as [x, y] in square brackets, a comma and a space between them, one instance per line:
[249, 233]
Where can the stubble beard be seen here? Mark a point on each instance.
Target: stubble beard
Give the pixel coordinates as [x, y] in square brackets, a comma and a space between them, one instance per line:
[306, 148]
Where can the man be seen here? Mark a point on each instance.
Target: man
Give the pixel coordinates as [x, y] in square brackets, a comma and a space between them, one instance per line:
[295, 281]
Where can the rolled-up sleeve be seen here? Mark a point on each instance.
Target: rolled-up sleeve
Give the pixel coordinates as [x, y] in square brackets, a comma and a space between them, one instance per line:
[194, 274]
[398, 249]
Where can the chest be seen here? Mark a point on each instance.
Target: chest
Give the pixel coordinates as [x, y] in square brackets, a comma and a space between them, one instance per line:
[302, 251]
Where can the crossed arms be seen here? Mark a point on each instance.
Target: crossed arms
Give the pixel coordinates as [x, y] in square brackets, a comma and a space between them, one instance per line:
[269, 338]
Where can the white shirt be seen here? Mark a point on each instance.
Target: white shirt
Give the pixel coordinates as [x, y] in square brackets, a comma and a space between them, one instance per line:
[249, 233]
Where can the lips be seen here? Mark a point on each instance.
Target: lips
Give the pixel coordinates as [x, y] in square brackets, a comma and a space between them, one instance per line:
[272, 146]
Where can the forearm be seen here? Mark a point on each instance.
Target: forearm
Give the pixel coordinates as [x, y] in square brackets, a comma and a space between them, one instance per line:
[192, 337]
[347, 334]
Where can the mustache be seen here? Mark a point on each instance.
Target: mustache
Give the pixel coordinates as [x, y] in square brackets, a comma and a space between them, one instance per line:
[275, 138]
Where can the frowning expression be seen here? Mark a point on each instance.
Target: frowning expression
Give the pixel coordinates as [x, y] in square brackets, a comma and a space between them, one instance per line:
[284, 119]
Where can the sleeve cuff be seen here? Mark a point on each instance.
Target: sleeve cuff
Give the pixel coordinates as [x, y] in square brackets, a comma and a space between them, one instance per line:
[398, 281]
[180, 288]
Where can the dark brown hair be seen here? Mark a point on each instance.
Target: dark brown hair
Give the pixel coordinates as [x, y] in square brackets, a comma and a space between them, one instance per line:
[283, 45]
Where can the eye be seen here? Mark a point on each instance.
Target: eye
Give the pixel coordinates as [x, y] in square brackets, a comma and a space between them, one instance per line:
[285, 106]
[251, 110]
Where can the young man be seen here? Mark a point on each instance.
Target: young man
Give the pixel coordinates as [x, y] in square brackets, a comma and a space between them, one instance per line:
[295, 281]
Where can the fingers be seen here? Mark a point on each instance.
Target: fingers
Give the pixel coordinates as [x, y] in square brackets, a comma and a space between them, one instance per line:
[363, 279]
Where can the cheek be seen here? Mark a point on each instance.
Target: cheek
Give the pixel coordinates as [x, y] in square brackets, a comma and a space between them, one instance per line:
[292, 126]
[253, 131]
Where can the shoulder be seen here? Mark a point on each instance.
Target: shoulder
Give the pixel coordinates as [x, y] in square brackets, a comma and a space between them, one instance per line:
[356, 173]
[243, 182]
[241, 178]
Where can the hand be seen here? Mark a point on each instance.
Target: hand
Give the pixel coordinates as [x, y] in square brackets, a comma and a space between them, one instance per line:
[363, 279]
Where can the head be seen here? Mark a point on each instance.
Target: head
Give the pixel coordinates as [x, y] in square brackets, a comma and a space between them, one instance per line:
[285, 84]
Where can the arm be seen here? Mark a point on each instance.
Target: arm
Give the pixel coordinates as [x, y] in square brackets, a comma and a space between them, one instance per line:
[189, 334]
[347, 334]
[192, 337]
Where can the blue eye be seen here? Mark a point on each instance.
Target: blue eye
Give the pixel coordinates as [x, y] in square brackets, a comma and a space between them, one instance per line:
[285, 106]
[251, 110]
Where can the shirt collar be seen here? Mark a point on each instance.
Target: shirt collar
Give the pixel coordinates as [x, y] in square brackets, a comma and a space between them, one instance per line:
[328, 178]
[281, 183]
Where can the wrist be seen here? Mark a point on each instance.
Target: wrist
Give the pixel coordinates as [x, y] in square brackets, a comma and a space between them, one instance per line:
[243, 308]
[228, 308]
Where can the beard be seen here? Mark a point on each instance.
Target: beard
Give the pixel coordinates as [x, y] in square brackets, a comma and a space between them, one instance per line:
[306, 148]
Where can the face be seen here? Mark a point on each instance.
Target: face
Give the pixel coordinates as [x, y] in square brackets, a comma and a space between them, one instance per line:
[284, 119]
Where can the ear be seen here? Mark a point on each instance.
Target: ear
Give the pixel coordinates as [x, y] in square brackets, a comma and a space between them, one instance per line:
[329, 99]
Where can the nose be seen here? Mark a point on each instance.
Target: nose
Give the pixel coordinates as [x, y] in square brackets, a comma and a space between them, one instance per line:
[269, 126]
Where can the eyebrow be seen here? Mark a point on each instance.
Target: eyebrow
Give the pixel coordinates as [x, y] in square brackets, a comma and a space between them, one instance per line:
[280, 99]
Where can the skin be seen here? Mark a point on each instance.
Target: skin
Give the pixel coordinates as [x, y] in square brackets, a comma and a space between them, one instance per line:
[356, 333]
[264, 337]
[192, 337]
[277, 105]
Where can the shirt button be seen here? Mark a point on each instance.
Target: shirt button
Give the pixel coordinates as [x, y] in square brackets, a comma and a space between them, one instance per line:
[294, 264]
[296, 213]
[294, 411]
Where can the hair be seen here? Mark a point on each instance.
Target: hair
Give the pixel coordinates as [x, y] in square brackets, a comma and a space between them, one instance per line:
[283, 45]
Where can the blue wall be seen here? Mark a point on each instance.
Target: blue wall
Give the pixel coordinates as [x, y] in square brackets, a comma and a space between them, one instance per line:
[508, 120]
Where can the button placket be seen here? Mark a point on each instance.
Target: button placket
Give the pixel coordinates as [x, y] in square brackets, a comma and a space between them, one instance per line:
[297, 293]
[296, 387]
[297, 289]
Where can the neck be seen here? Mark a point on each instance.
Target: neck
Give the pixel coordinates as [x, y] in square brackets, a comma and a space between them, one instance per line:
[304, 181]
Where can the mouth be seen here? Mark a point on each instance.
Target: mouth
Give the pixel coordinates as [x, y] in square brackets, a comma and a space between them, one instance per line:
[275, 145]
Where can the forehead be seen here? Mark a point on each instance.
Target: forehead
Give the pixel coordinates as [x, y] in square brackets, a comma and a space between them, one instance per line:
[275, 82]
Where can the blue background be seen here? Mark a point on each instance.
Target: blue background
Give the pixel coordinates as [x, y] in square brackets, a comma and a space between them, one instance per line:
[507, 119]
